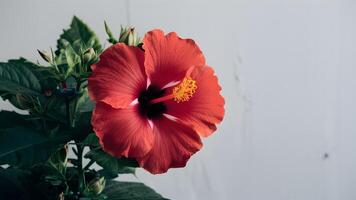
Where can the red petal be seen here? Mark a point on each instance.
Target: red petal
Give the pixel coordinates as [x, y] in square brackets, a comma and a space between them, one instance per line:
[122, 132]
[206, 108]
[119, 76]
[167, 58]
[174, 143]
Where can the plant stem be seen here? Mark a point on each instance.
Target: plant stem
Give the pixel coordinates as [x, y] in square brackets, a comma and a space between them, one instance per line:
[82, 183]
[67, 112]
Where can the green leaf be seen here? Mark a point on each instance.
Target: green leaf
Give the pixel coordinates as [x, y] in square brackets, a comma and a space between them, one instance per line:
[58, 159]
[78, 31]
[91, 140]
[22, 146]
[46, 75]
[20, 78]
[10, 119]
[55, 108]
[115, 190]
[112, 165]
[17, 76]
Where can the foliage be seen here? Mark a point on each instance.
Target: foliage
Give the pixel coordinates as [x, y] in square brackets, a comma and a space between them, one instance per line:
[22, 146]
[34, 148]
[130, 190]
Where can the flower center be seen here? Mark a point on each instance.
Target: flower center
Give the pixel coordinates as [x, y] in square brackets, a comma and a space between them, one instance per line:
[151, 100]
[182, 92]
[146, 107]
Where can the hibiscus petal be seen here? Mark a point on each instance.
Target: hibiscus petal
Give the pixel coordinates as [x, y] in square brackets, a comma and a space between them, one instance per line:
[174, 144]
[206, 108]
[119, 76]
[167, 58]
[122, 132]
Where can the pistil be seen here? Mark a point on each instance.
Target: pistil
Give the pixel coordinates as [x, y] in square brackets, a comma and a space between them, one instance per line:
[181, 93]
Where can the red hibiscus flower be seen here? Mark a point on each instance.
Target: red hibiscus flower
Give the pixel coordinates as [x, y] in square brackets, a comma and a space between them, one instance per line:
[154, 104]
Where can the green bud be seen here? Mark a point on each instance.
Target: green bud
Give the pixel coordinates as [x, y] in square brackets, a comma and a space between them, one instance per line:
[96, 186]
[133, 39]
[124, 33]
[107, 30]
[46, 56]
[89, 55]
[111, 38]
[129, 36]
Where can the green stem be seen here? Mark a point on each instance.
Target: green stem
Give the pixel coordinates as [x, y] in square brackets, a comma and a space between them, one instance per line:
[68, 112]
[82, 183]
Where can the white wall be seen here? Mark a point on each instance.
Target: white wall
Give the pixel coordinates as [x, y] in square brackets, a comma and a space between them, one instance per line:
[287, 68]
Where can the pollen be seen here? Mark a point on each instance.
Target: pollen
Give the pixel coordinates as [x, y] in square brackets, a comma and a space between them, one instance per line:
[185, 90]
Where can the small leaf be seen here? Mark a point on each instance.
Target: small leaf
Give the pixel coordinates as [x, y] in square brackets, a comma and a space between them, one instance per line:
[91, 140]
[58, 159]
[130, 190]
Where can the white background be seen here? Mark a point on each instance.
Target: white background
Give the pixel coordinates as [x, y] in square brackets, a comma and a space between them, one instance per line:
[288, 73]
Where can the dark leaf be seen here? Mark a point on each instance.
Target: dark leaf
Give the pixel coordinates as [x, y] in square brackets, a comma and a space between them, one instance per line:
[58, 159]
[91, 140]
[16, 76]
[21, 82]
[22, 146]
[115, 190]
[112, 165]
[55, 108]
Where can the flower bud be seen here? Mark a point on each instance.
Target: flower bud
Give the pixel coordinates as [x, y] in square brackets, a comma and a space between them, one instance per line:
[124, 33]
[107, 30]
[89, 55]
[129, 36]
[46, 56]
[133, 39]
[96, 186]
[111, 38]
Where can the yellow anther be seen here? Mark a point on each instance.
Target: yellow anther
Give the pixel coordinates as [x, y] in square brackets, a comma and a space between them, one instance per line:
[185, 90]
